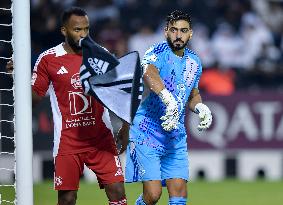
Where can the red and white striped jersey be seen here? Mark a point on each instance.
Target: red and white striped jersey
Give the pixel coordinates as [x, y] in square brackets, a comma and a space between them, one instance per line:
[80, 122]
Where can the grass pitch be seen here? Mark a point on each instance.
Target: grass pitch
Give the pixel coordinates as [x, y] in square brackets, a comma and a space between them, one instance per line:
[228, 192]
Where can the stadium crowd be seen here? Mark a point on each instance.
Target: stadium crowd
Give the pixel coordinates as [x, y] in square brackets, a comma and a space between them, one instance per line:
[240, 42]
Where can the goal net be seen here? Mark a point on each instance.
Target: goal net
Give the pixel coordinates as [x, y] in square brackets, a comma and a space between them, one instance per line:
[7, 145]
[15, 104]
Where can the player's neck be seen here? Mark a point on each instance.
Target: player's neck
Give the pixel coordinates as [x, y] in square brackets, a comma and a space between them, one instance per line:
[71, 50]
[179, 53]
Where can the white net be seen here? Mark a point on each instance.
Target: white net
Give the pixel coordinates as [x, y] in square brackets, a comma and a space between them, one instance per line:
[7, 122]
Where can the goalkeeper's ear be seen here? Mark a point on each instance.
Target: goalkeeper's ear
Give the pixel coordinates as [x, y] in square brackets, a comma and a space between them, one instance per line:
[191, 34]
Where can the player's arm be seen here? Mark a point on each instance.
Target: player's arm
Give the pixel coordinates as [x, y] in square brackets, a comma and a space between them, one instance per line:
[194, 99]
[195, 104]
[122, 138]
[153, 81]
[40, 80]
[35, 97]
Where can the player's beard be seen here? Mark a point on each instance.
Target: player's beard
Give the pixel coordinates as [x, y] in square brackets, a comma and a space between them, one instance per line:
[73, 44]
[181, 45]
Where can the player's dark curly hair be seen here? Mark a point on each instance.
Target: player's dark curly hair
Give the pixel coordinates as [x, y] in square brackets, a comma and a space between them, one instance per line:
[72, 11]
[178, 15]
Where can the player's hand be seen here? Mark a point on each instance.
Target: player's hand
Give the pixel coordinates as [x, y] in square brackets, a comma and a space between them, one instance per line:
[205, 116]
[171, 122]
[10, 66]
[123, 137]
[171, 117]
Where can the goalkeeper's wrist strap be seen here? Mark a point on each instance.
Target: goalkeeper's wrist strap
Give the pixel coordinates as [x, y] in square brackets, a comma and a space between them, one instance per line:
[198, 107]
[166, 97]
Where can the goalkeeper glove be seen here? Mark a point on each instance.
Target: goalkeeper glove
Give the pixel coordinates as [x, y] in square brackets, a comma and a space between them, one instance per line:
[205, 116]
[171, 117]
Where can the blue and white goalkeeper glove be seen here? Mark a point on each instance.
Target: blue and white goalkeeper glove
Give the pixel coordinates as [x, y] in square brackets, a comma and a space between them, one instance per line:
[205, 116]
[171, 117]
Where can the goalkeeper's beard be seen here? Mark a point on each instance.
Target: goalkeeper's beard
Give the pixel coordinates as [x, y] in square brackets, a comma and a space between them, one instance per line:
[73, 44]
[178, 46]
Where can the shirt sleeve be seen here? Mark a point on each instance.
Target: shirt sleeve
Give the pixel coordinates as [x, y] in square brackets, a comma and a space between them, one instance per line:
[40, 77]
[151, 57]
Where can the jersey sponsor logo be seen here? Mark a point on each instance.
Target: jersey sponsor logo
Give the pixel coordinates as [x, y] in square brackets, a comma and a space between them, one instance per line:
[75, 81]
[99, 66]
[79, 103]
[58, 181]
[80, 121]
[62, 71]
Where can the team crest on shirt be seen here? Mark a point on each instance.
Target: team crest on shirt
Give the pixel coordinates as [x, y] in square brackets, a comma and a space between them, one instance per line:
[75, 81]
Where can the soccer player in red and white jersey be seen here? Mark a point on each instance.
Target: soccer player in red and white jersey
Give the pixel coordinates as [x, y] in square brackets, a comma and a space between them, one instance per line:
[82, 129]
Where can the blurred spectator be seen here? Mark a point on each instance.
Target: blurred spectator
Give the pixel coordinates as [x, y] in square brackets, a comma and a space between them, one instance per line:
[268, 59]
[143, 39]
[45, 24]
[112, 37]
[227, 46]
[255, 34]
[271, 12]
[201, 44]
[99, 10]
[265, 73]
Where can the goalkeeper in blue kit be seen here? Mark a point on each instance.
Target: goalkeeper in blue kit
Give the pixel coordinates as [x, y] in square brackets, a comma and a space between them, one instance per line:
[157, 149]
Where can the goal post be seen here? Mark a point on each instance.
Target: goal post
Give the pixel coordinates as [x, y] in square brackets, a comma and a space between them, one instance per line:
[23, 104]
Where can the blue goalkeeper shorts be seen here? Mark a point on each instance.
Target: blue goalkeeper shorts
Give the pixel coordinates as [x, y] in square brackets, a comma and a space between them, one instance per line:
[144, 163]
